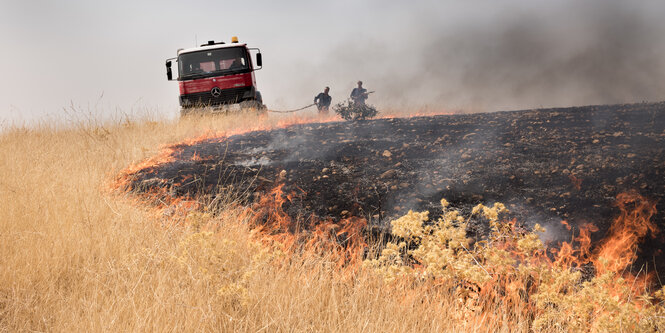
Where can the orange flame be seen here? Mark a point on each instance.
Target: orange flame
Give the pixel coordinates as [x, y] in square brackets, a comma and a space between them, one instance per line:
[168, 152]
[619, 249]
[342, 240]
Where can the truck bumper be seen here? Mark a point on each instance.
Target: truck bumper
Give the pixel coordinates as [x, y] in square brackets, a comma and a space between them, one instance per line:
[226, 96]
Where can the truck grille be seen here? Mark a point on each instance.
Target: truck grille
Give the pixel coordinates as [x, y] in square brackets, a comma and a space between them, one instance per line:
[228, 96]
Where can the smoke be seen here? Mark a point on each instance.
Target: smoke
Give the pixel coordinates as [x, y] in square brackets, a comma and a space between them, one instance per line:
[606, 55]
[563, 54]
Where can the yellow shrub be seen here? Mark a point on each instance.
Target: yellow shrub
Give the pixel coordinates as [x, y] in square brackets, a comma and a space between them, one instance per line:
[510, 268]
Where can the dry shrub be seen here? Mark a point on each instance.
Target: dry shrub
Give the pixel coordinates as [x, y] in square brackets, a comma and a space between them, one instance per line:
[510, 270]
[78, 257]
[353, 111]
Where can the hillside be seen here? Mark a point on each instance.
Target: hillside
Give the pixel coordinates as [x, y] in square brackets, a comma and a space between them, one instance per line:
[81, 255]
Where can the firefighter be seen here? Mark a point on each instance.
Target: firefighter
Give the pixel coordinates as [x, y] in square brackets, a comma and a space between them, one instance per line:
[359, 94]
[237, 64]
[322, 100]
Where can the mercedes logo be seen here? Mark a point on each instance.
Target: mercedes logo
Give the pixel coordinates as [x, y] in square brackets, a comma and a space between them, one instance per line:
[216, 92]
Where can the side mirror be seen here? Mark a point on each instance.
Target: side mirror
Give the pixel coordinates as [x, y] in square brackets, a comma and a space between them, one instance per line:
[259, 60]
[169, 73]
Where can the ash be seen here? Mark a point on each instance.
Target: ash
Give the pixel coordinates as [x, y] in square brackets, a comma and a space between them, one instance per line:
[546, 165]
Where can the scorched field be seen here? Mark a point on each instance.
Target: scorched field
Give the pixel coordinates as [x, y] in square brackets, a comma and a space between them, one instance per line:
[537, 220]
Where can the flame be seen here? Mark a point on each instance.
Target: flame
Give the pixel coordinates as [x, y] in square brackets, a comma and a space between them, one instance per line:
[619, 249]
[343, 240]
[169, 153]
[614, 254]
[565, 224]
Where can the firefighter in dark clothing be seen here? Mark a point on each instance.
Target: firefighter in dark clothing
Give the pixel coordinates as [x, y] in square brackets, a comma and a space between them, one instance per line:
[322, 100]
[359, 94]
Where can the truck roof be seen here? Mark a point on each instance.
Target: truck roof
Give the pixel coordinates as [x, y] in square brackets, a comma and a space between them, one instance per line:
[211, 47]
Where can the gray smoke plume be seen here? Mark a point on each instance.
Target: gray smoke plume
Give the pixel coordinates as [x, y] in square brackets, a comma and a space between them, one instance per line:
[609, 54]
[561, 54]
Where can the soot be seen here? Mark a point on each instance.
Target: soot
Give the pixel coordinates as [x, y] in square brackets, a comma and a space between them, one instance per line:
[546, 165]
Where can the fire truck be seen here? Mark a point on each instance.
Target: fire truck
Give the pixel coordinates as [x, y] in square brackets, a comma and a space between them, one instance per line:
[217, 74]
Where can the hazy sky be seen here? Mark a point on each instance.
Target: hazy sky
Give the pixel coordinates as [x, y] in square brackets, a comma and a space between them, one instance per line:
[108, 57]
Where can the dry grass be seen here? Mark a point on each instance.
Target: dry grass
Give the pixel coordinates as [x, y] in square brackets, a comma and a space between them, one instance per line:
[76, 257]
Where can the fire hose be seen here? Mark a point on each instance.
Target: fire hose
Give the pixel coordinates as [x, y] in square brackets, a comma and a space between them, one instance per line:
[304, 107]
[289, 111]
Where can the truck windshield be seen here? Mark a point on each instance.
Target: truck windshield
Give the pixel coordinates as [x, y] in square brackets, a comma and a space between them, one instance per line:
[213, 62]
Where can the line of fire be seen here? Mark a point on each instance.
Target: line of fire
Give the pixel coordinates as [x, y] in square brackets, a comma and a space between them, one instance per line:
[563, 168]
[589, 181]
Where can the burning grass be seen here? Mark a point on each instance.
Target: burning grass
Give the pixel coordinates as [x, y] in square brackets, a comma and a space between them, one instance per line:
[512, 268]
[77, 257]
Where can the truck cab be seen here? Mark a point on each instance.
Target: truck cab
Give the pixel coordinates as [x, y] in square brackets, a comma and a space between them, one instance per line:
[217, 74]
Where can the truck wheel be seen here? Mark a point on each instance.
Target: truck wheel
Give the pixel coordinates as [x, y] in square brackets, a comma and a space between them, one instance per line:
[262, 107]
[259, 98]
[252, 104]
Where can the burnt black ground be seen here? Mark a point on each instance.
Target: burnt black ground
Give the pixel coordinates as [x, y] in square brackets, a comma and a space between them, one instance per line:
[529, 160]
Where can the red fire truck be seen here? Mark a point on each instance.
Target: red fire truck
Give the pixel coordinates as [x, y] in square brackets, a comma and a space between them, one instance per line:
[217, 74]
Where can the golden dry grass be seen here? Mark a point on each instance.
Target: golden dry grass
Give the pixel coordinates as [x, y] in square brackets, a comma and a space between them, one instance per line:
[77, 257]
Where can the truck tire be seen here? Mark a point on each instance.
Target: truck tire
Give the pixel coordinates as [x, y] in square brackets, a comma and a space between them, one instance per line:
[259, 98]
[252, 104]
[256, 103]
[262, 107]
